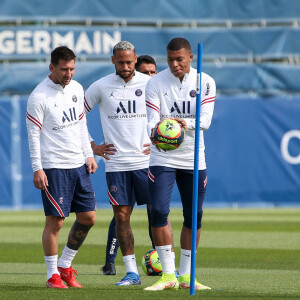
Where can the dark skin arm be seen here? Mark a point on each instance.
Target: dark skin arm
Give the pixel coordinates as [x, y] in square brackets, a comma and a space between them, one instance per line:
[104, 150]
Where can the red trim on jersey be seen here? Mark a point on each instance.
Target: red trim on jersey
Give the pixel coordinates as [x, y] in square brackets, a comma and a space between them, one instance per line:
[33, 120]
[54, 203]
[150, 176]
[81, 115]
[212, 99]
[149, 104]
[86, 105]
[111, 198]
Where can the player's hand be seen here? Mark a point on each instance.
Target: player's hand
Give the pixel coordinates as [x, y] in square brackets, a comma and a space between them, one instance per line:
[147, 150]
[103, 150]
[91, 165]
[40, 180]
[181, 122]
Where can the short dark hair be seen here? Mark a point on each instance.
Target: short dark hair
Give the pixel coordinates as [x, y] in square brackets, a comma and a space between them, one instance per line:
[62, 52]
[179, 43]
[147, 59]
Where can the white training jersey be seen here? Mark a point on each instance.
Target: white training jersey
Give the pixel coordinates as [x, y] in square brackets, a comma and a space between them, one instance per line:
[56, 126]
[167, 97]
[123, 116]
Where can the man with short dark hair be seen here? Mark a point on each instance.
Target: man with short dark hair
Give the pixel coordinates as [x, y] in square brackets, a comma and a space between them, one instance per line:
[146, 65]
[172, 94]
[62, 159]
[121, 100]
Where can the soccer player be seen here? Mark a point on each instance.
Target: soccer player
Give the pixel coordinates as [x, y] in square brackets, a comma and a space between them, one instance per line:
[121, 100]
[172, 94]
[147, 65]
[62, 159]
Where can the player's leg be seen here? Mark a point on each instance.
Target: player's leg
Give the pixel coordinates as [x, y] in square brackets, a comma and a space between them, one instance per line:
[112, 247]
[149, 226]
[120, 193]
[184, 181]
[161, 182]
[83, 204]
[151, 238]
[55, 212]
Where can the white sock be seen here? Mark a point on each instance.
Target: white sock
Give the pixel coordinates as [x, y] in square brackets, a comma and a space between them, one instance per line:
[185, 262]
[67, 257]
[51, 263]
[130, 263]
[166, 258]
[173, 256]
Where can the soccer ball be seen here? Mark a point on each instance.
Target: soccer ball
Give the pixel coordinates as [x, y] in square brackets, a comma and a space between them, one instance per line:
[168, 134]
[151, 264]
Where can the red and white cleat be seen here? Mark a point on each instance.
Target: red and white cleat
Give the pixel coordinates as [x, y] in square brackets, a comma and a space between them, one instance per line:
[55, 282]
[68, 277]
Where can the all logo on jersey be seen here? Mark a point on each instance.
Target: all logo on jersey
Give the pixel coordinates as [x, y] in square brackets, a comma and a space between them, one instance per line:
[185, 107]
[193, 93]
[138, 92]
[127, 107]
[69, 115]
[74, 98]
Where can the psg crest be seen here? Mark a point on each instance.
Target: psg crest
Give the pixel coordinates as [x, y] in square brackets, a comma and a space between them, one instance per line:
[193, 93]
[138, 92]
[74, 98]
[113, 189]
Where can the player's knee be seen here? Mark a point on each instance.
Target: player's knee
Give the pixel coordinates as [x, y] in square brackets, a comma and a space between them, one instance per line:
[122, 217]
[92, 220]
[158, 218]
[188, 218]
[88, 218]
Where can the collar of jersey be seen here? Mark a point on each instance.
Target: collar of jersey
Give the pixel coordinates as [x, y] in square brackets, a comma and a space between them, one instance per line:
[119, 79]
[185, 77]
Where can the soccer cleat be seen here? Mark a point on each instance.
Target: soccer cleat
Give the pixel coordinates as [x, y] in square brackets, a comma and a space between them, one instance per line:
[176, 273]
[131, 278]
[109, 269]
[167, 281]
[55, 282]
[184, 283]
[68, 277]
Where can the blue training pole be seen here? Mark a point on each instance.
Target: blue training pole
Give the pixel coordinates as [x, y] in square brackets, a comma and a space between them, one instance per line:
[196, 173]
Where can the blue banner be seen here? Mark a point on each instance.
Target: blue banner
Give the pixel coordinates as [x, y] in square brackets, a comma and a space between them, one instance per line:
[36, 42]
[252, 153]
[265, 79]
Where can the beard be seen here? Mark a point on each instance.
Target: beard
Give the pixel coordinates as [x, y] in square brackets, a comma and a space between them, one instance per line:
[125, 75]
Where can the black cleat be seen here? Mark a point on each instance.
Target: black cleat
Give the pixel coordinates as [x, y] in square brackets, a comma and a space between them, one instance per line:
[109, 269]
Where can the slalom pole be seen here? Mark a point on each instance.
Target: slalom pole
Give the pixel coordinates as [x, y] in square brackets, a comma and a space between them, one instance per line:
[196, 172]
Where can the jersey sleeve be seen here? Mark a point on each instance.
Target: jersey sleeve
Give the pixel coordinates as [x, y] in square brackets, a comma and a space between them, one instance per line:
[208, 95]
[92, 97]
[34, 124]
[152, 105]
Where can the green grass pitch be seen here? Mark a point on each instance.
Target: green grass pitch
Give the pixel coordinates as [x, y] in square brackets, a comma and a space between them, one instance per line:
[243, 254]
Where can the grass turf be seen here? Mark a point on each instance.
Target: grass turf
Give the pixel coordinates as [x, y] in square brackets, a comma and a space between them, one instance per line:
[243, 254]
